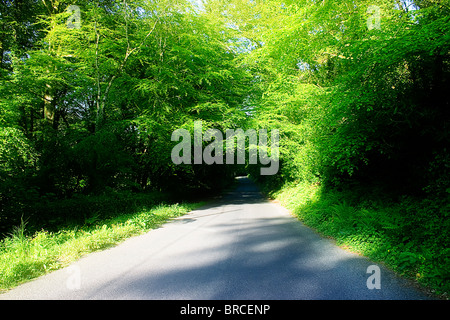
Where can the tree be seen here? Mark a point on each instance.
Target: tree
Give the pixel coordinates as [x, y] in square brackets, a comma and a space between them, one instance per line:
[352, 95]
[99, 101]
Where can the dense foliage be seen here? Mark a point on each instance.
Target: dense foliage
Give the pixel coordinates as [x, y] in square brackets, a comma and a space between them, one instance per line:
[91, 108]
[361, 100]
[357, 88]
[359, 104]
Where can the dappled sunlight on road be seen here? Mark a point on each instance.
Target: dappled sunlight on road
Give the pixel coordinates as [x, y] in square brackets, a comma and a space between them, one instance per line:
[230, 249]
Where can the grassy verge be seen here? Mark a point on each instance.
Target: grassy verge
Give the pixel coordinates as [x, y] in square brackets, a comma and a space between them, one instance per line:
[410, 236]
[24, 257]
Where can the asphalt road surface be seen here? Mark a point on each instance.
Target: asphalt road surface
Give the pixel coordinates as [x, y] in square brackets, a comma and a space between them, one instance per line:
[240, 247]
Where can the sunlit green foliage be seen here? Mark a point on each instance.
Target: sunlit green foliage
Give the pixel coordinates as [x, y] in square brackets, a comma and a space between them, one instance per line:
[358, 90]
[364, 115]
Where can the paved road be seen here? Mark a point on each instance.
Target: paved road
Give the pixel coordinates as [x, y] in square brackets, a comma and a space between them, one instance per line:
[241, 247]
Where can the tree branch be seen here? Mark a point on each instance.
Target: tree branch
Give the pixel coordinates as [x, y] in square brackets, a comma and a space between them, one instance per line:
[101, 101]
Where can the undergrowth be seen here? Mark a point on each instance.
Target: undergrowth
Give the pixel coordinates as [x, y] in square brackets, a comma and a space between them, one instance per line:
[410, 236]
[24, 257]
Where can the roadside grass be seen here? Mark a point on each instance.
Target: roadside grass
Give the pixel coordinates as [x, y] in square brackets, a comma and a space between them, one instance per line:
[24, 257]
[409, 236]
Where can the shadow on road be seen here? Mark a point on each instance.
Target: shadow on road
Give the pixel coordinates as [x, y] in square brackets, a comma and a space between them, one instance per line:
[262, 256]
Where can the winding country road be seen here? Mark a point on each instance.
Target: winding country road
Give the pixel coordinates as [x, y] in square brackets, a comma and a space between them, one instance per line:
[240, 247]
